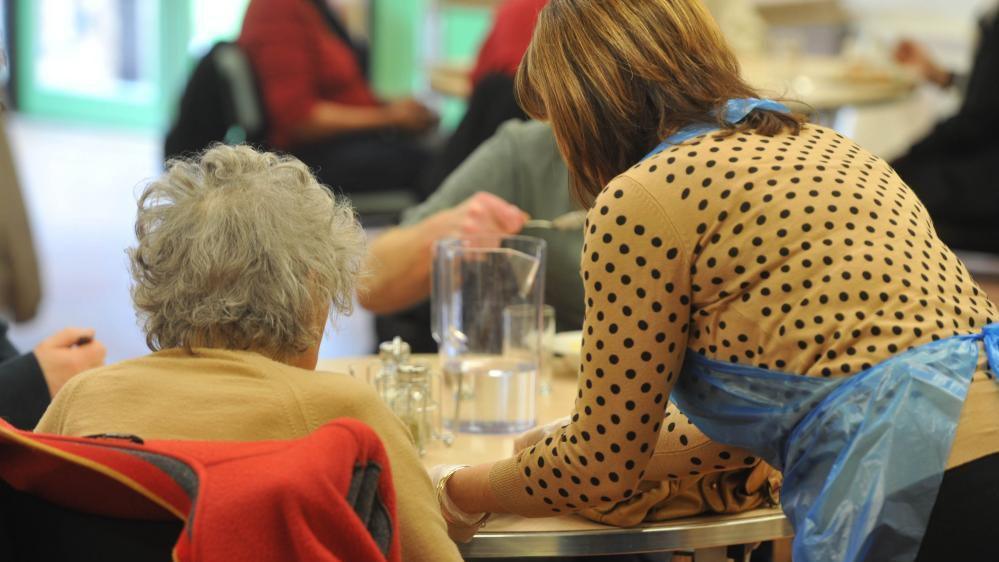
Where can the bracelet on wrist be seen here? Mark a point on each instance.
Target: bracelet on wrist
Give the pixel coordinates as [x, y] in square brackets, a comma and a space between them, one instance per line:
[453, 514]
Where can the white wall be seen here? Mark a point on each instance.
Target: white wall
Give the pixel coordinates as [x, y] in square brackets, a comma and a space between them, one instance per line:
[948, 28]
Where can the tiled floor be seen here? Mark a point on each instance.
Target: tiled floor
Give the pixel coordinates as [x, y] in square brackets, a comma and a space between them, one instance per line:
[80, 185]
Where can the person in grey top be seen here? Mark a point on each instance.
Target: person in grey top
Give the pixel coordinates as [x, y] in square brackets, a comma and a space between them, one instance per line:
[517, 174]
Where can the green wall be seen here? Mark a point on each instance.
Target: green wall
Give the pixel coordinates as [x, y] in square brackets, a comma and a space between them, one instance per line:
[396, 48]
[401, 50]
[402, 46]
[142, 107]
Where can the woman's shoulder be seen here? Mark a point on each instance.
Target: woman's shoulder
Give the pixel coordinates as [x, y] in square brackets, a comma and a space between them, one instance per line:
[338, 391]
[730, 179]
[723, 165]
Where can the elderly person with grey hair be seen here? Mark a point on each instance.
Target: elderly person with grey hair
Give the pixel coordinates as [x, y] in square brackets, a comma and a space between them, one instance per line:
[241, 259]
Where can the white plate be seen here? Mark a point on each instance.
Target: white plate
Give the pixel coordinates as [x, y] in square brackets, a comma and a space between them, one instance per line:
[567, 343]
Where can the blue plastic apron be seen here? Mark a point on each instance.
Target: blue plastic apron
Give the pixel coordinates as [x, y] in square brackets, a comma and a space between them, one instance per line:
[735, 111]
[862, 456]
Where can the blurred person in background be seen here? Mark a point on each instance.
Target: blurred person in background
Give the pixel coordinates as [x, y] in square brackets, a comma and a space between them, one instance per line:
[241, 259]
[29, 381]
[740, 22]
[20, 282]
[517, 174]
[953, 169]
[319, 104]
[514, 22]
[495, 187]
[492, 101]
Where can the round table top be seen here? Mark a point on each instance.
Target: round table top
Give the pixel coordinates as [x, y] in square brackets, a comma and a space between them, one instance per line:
[571, 535]
[512, 536]
[451, 79]
[820, 83]
[471, 448]
[825, 83]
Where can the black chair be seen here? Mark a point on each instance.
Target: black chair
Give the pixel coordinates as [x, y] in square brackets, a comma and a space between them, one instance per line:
[222, 102]
[33, 530]
[111, 498]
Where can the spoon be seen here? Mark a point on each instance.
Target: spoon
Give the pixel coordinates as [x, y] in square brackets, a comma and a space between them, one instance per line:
[573, 220]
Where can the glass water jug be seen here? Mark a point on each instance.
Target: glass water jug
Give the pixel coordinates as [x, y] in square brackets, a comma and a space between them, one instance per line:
[488, 295]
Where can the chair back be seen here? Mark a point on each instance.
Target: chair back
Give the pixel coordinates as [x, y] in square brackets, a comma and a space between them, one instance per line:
[221, 103]
[244, 105]
[112, 498]
[35, 530]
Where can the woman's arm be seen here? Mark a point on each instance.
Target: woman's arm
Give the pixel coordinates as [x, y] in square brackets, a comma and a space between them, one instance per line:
[636, 269]
[636, 276]
[679, 439]
[291, 86]
[327, 118]
[399, 265]
[680, 442]
[915, 55]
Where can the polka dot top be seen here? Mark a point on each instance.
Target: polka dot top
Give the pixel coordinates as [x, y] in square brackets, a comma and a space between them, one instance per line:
[799, 253]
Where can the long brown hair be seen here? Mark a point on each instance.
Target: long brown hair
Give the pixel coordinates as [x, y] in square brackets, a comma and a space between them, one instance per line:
[617, 77]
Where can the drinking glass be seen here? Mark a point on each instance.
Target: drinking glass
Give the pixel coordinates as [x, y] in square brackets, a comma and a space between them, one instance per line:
[524, 337]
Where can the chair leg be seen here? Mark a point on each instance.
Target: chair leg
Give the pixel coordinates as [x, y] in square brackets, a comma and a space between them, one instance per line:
[740, 552]
[716, 554]
[782, 550]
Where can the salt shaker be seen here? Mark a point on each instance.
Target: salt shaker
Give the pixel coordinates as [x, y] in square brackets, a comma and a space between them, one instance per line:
[410, 399]
[391, 354]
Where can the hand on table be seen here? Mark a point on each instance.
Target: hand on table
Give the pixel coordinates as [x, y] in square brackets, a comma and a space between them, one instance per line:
[68, 353]
[411, 115]
[914, 55]
[461, 526]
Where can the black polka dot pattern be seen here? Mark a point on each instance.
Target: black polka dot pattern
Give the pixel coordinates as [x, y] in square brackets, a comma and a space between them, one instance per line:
[804, 254]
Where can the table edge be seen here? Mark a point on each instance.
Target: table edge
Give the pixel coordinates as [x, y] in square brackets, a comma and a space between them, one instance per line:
[674, 535]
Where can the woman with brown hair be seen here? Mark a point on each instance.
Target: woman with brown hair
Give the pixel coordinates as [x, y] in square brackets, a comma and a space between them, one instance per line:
[785, 280]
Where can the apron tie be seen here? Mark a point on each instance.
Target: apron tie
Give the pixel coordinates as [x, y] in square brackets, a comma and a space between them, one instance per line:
[991, 338]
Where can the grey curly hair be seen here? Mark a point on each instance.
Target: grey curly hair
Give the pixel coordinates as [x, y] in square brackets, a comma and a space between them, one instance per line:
[240, 249]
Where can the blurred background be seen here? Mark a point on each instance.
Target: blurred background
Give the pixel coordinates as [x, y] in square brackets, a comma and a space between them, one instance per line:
[92, 86]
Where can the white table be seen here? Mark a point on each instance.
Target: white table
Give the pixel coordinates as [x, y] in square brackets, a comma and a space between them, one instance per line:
[706, 538]
[821, 84]
[825, 83]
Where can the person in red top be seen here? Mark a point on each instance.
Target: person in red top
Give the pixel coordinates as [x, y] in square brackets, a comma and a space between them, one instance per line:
[507, 42]
[492, 102]
[319, 104]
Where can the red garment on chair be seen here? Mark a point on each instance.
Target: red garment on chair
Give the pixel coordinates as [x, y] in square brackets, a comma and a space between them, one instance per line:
[509, 38]
[299, 62]
[250, 501]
